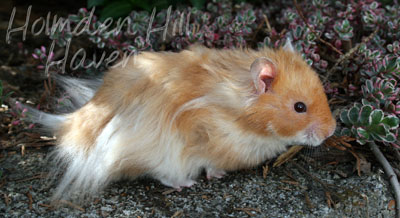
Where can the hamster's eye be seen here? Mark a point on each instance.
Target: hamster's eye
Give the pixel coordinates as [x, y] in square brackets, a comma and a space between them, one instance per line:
[300, 107]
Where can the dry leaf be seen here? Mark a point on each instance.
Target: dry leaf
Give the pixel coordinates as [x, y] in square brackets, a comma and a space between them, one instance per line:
[291, 182]
[283, 158]
[30, 200]
[265, 171]
[329, 201]
[308, 201]
[178, 213]
[334, 143]
[365, 166]
[358, 162]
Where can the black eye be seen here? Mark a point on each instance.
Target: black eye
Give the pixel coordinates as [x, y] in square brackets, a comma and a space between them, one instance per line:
[300, 107]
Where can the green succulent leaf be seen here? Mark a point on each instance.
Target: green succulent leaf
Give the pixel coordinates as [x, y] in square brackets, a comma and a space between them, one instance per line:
[376, 116]
[390, 138]
[346, 132]
[376, 137]
[364, 115]
[397, 108]
[362, 133]
[298, 32]
[390, 47]
[380, 129]
[370, 86]
[361, 141]
[391, 121]
[353, 130]
[389, 106]
[358, 105]
[365, 102]
[353, 114]
[345, 118]
[379, 95]
[393, 82]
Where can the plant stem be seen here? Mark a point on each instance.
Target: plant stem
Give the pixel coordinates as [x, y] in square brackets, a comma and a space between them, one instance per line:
[389, 171]
[349, 54]
[300, 12]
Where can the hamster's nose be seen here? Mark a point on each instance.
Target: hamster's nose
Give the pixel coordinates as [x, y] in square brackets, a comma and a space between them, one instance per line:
[331, 130]
[330, 133]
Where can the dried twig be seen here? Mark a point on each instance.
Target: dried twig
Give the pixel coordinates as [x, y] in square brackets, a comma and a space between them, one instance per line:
[389, 171]
[38, 176]
[70, 204]
[169, 191]
[46, 205]
[329, 201]
[288, 174]
[283, 158]
[178, 213]
[22, 150]
[30, 200]
[325, 185]
[265, 171]
[2, 182]
[291, 182]
[308, 201]
[334, 142]
[300, 12]
[366, 203]
[6, 199]
[269, 29]
[259, 27]
[358, 161]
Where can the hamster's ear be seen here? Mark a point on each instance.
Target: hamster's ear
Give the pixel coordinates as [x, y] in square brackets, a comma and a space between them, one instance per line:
[263, 72]
[288, 45]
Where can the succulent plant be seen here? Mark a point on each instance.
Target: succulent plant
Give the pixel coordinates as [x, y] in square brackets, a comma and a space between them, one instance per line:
[370, 124]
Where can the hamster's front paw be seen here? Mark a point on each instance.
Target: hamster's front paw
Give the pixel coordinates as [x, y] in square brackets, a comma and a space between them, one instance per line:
[214, 173]
[178, 185]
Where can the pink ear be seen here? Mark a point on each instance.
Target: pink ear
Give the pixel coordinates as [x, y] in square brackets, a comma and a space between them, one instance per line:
[263, 72]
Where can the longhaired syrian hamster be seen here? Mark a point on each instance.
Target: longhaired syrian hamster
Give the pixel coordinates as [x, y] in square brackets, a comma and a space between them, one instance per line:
[171, 115]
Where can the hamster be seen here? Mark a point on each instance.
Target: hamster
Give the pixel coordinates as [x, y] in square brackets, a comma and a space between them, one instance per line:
[171, 115]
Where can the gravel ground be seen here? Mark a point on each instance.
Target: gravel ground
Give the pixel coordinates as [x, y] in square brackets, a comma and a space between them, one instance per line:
[285, 192]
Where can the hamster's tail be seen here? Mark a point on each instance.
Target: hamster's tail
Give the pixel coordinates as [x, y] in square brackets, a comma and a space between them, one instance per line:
[78, 92]
[66, 163]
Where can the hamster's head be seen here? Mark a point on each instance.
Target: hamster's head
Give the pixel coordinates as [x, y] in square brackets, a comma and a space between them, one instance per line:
[291, 104]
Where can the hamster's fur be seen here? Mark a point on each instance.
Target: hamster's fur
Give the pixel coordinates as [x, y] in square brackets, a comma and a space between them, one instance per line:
[170, 115]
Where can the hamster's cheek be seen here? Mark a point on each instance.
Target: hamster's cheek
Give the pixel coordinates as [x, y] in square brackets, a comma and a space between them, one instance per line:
[288, 124]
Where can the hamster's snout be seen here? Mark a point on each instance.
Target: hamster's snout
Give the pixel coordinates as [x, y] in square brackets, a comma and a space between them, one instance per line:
[317, 132]
[331, 127]
[331, 130]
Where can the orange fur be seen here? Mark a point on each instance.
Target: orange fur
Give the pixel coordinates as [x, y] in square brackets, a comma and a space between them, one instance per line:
[169, 115]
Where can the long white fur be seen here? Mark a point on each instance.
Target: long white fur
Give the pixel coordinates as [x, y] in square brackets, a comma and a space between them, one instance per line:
[135, 134]
[128, 135]
[79, 90]
[73, 161]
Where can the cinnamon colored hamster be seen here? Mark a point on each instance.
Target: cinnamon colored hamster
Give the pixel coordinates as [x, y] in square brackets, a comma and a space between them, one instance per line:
[170, 115]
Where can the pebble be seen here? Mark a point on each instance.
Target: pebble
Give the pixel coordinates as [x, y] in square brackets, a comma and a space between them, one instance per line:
[226, 197]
